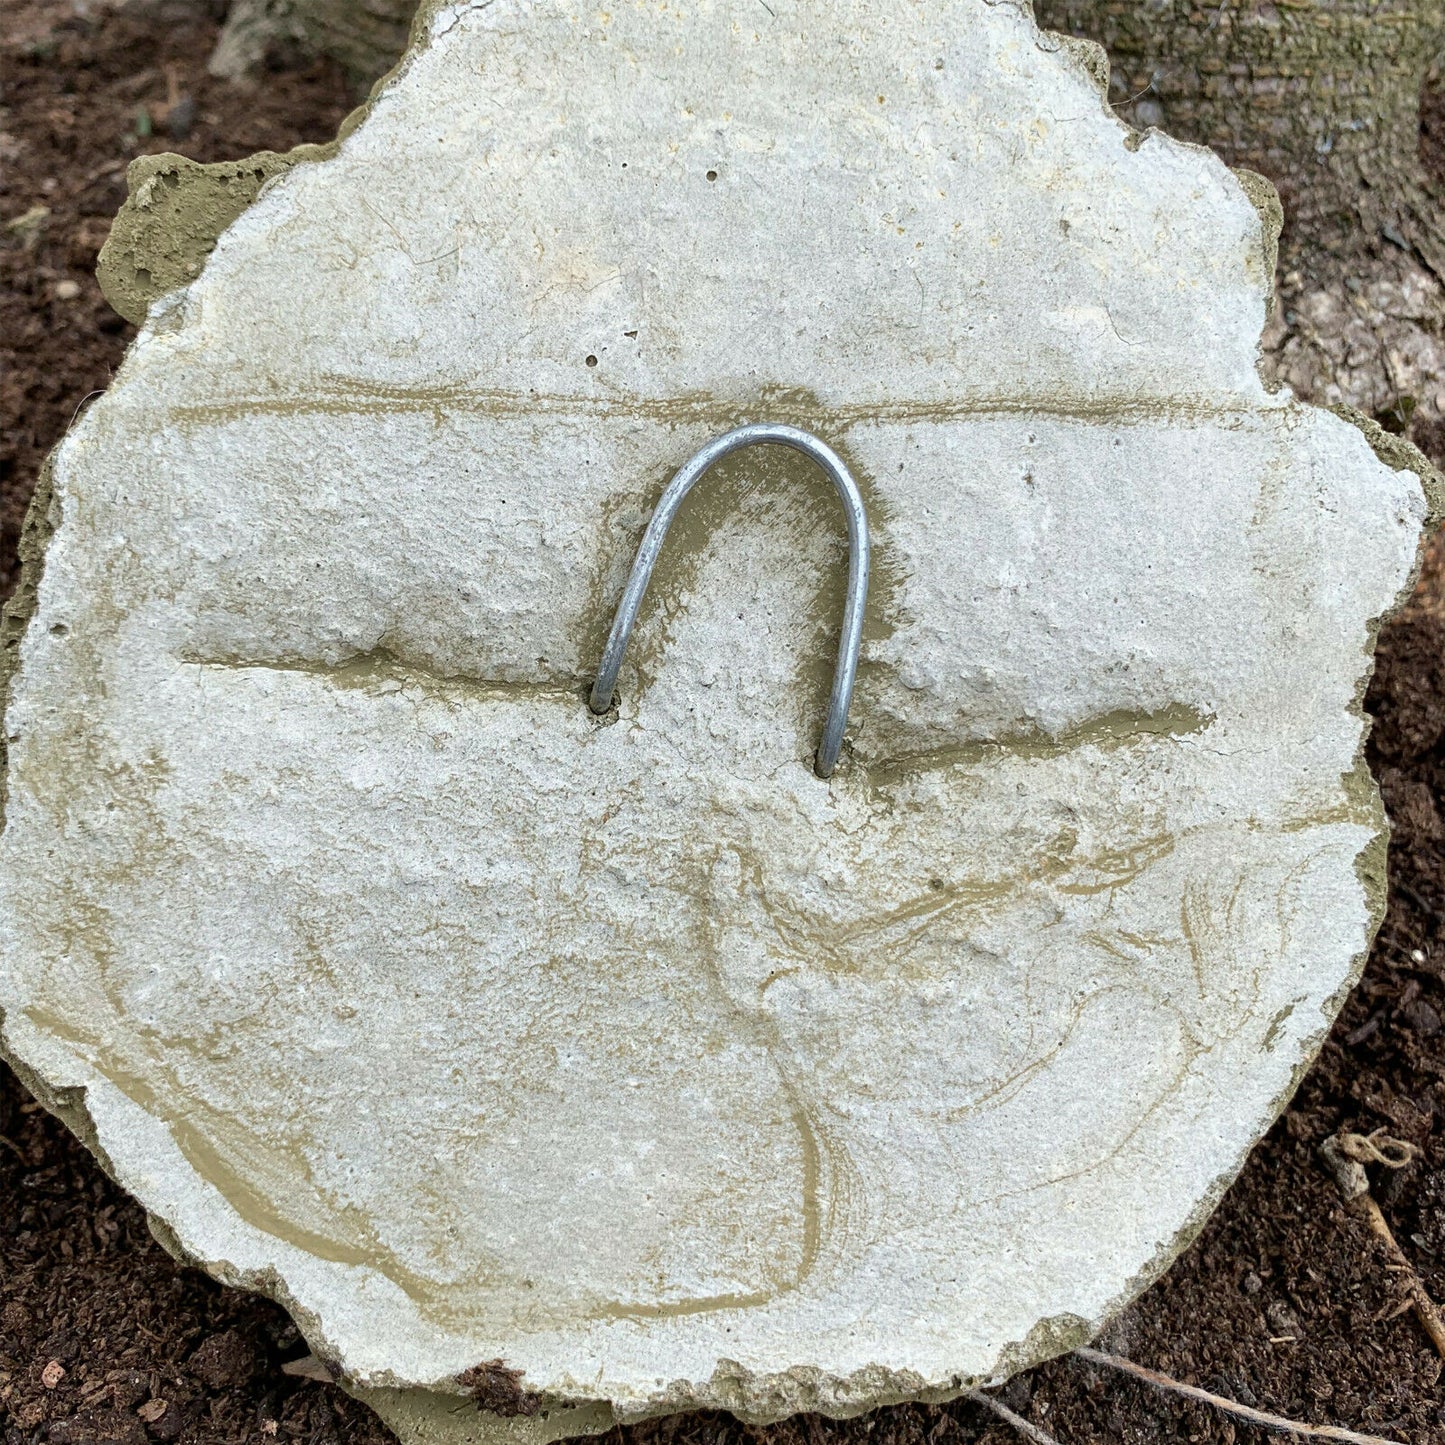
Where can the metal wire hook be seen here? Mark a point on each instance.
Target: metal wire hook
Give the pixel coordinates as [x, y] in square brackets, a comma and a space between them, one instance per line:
[686, 478]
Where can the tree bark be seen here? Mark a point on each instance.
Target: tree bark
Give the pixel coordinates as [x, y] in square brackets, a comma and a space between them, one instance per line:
[366, 36]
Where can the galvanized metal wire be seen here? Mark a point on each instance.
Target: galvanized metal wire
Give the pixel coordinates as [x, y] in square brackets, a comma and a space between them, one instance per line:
[687, 477]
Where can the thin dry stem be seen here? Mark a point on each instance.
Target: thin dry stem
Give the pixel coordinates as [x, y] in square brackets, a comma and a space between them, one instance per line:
[1025, 1428]
[1230, 1407]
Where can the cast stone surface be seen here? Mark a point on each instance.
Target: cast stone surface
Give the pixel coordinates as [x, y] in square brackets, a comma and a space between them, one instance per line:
[626, 1050]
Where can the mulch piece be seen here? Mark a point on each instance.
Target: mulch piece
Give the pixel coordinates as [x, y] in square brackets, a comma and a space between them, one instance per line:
[1283, 1301]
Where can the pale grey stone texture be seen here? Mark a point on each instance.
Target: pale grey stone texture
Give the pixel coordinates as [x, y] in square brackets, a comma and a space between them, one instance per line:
[626, 1050]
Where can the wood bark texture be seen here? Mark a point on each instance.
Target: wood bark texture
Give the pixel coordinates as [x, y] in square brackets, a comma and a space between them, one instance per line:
[366, 36]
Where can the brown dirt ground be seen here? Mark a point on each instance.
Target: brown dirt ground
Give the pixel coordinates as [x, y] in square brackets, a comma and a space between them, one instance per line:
[1284, 1300]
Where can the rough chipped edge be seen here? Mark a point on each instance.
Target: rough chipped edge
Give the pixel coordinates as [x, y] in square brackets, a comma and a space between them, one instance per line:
[42, 521]
[1265, 199]
[428, 1417]
[1371, 861]
[1402, 455]
[208, 199]
[730, 1387]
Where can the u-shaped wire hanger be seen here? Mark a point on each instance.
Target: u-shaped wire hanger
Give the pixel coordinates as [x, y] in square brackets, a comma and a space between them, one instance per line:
[686, 478]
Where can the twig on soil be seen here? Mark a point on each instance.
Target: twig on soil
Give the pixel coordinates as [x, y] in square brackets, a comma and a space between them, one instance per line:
[1229, 1407]
[308, 1367]
[1345, 1156]
[1024, 1427]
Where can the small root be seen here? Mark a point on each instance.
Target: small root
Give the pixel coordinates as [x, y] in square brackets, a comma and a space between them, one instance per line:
[1345, 1156]
[1028, 1430]
[1262, 1418]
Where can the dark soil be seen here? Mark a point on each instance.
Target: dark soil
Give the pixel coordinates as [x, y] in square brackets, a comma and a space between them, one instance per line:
[1285, 1301]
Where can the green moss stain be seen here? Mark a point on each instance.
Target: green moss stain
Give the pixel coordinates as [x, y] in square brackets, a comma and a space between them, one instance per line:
[173, 217]
[1265, 200]
[1107, 731]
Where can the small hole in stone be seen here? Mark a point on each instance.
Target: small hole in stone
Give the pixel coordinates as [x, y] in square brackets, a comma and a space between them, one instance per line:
[59, 629]
[712, 175]
[591, 361]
